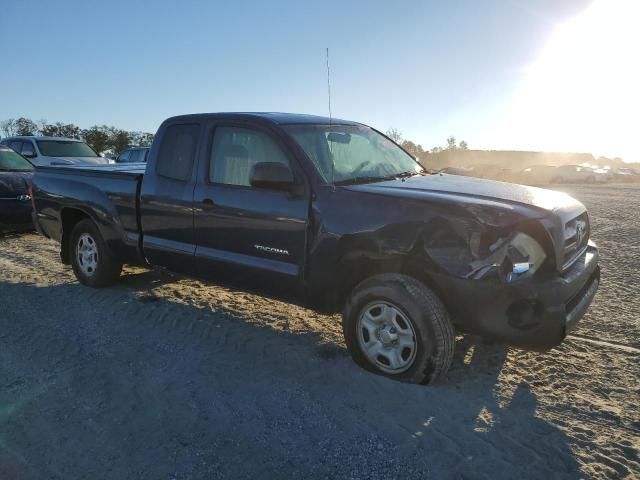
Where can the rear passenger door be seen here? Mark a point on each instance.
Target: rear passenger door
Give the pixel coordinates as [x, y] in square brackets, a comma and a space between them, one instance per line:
[166, 199]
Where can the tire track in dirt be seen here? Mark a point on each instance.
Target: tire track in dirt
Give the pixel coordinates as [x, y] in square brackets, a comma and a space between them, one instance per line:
[601, 343]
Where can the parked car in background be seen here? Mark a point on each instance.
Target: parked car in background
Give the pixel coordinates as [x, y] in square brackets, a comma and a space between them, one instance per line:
[15, 201]
[109, 155]
[625, 175]
[133, 155]
[53, 150]
[464, 171]
[492, 171]
[537, 175]
[577, 174]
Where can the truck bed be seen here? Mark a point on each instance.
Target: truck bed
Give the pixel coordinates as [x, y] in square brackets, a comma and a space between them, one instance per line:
[108, 194]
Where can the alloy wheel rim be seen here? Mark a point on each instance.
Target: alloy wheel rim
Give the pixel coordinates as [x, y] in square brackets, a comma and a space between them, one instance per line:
[87, 254]
[387, 338]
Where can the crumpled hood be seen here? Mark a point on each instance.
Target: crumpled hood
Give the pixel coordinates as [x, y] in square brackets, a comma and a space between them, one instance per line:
[460, 187]
[13, 184]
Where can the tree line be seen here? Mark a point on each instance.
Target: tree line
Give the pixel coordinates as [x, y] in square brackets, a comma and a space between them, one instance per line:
[99, 137]
[416, 149]
[103, 137]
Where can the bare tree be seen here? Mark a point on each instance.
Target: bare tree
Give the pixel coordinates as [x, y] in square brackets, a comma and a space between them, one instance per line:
[100, 137]
[141, 139]
[412, 148]
[8, 127]
[395, 135]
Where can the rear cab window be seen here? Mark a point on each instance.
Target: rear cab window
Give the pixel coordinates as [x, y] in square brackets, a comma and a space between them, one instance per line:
[178, 151]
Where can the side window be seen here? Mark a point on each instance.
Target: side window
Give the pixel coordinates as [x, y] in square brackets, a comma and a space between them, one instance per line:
[235, 150]
[124, 156]
[27, 149]
[136, 156]
[177, 151]
[16, 146]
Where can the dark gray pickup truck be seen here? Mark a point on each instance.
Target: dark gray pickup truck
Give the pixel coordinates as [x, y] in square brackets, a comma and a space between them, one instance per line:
[333, 215]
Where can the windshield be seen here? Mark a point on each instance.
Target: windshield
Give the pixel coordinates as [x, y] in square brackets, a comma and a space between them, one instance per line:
[65, 148]
[11, 161]
[359, 153]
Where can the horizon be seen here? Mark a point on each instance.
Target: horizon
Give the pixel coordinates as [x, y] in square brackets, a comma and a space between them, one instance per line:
[565, 81]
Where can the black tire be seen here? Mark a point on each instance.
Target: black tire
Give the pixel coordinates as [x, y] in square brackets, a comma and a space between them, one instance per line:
[434, 334]
[107, 269]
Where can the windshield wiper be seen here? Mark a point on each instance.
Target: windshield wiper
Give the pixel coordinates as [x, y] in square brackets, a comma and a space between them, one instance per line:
[364, 179]
[408, 173]
[371, 179]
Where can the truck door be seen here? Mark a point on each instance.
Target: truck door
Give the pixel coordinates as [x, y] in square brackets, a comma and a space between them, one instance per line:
[251, 229]
[166, 199]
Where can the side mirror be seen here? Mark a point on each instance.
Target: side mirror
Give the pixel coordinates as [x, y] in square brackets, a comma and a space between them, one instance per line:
[272, 175]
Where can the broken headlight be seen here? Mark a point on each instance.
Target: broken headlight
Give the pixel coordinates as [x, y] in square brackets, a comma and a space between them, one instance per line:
[524, 256]
[510, 258]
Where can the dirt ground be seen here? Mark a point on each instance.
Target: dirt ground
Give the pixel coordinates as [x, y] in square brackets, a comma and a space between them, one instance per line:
[163, 377]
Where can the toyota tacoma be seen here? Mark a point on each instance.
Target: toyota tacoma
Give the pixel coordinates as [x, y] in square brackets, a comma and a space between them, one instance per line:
[333, 215]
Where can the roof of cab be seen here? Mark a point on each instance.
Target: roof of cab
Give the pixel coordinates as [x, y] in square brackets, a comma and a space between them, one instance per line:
[274, 117]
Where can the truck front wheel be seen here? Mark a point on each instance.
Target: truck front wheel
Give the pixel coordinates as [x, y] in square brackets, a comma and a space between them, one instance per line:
[93, 263]
[397, 327]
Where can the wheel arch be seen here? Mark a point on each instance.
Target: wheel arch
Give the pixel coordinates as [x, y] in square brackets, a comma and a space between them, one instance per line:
[69, 217]
[357, 268]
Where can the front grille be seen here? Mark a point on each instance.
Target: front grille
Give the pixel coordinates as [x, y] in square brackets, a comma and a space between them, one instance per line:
[576, 237]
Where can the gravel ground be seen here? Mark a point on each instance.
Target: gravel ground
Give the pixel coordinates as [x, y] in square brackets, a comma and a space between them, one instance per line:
[163, 377]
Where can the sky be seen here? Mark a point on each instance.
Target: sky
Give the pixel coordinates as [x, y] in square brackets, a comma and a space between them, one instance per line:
[501, 74]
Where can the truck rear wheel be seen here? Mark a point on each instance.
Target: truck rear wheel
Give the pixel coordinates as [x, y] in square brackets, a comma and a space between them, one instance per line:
[93, 263]
[397, 327]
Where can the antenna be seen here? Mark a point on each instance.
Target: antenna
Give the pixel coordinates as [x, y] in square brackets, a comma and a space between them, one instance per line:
[329, 85]
[333, 164]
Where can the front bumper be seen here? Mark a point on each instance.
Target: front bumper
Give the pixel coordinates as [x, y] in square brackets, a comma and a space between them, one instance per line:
[536, 313]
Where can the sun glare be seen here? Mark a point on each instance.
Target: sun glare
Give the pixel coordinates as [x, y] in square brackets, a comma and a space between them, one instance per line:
[583, 91]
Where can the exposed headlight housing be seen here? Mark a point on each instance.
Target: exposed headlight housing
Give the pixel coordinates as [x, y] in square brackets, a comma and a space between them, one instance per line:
[526, 256]
[511, 258]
